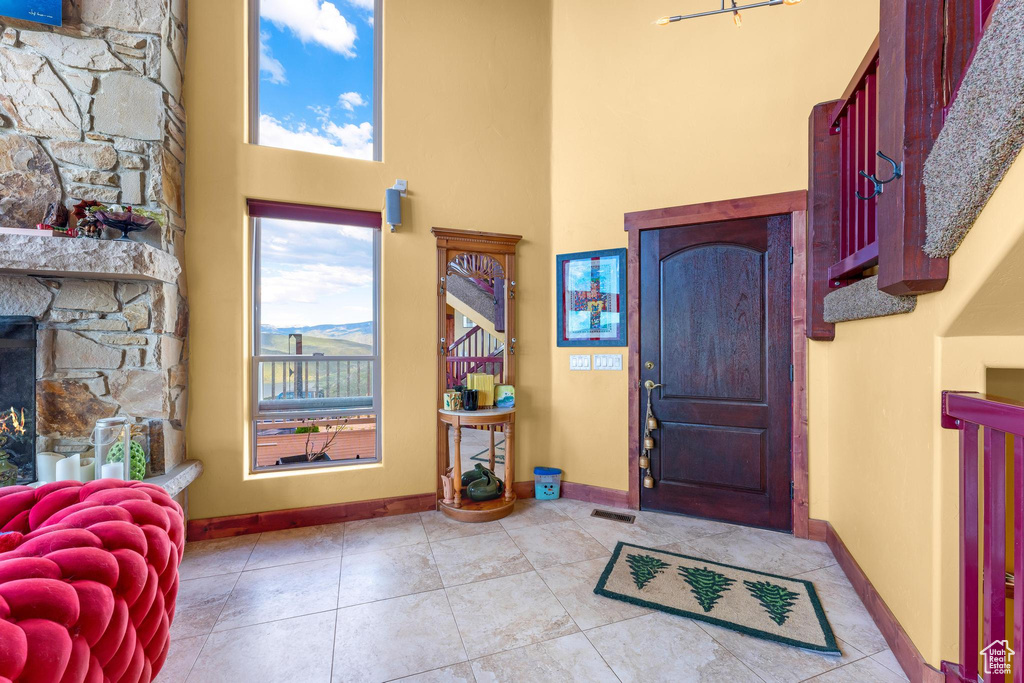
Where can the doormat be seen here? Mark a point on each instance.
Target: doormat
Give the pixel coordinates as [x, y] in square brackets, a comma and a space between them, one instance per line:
[761, 605]
[499, 454]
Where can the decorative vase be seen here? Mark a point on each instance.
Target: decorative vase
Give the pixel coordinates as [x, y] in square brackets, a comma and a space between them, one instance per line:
[470, 397]
[125, 221]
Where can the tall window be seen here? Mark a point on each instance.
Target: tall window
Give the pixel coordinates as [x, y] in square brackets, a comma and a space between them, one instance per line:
[315, 76]
[315, 357]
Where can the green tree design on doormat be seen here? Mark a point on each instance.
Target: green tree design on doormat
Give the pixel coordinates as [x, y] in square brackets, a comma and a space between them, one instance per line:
[706, 585]
[644, 568]
[776, 599]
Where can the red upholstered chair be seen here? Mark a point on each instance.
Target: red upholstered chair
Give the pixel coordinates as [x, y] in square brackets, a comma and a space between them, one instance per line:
[88, 581]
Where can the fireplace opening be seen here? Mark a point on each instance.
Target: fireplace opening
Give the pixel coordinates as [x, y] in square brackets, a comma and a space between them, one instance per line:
[18, 395]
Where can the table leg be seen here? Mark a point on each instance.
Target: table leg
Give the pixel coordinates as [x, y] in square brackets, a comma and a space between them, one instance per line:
[491, 452]
[457, 465]
[510, 459]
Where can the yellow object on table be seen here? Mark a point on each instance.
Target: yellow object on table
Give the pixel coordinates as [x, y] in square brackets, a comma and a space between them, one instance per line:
[484, 385]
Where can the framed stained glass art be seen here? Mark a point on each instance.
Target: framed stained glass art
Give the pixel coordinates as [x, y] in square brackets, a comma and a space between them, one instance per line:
[591, 290]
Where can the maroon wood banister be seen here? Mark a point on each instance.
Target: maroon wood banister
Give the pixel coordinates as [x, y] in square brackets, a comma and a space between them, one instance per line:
[995, 419]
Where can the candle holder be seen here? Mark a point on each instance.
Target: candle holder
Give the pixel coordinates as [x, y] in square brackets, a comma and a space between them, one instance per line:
[108, 432]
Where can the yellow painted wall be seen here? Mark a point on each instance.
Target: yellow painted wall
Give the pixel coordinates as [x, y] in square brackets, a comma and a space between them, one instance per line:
[552, 118]
[891, 468]
[645, 117]
[467, 123]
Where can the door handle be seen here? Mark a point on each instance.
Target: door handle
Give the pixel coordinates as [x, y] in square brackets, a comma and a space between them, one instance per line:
[650, 385]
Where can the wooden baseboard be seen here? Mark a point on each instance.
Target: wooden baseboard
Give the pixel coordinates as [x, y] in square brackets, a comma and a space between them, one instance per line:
[907, 654]
[588, 494]
[817, 530]
[257, 522]
[238, 525]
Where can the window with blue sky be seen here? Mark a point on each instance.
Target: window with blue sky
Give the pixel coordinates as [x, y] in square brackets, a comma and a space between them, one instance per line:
[316, 76]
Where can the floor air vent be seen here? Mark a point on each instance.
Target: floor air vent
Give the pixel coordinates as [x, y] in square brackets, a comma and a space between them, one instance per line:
[614, 516]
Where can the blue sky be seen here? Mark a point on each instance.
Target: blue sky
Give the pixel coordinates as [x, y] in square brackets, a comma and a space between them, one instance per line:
[315, 273]
[316, 76]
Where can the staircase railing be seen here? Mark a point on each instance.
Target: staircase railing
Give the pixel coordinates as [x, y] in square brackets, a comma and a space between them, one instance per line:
[997, 420]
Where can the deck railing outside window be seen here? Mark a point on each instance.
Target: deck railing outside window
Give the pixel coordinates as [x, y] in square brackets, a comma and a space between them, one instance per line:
[983, 514]
[856, 122]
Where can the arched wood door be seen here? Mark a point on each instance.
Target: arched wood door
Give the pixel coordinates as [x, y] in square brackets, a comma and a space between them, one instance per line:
[715, 332]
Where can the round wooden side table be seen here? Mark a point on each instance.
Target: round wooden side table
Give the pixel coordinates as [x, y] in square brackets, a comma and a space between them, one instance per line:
[451, 503]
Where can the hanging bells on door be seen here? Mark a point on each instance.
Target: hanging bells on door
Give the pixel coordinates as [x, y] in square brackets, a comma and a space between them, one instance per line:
[651, 425]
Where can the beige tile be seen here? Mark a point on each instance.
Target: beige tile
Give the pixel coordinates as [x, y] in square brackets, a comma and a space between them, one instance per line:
[530, 512]
[506, 613]
[569, 658]
[384, 574]
[661, 647]
[298, 649]
[475, 558]
[389, 639]
[297, 545]
[641, 532]
[684, 528]
[441, 527]
[573, 585]
[887, 659]
[761, 550]
[199, 604]
[281, 592]
[776, 663]
[849, 618]
[548, 545]
[860, 671]
[576, 509]
[382, 533]
[217, 556]
[457, 673]
[180, 658]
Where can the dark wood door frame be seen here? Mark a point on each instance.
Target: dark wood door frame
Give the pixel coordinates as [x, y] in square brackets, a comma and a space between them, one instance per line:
[793, 203]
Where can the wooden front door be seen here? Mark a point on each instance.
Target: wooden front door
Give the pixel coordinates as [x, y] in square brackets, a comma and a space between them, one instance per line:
[715, 332]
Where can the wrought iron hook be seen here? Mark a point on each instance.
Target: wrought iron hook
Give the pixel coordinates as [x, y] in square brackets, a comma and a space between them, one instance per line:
[897, 169]
[874, 193]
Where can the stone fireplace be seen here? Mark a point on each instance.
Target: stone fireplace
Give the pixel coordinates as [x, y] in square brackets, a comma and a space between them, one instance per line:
[91, 110]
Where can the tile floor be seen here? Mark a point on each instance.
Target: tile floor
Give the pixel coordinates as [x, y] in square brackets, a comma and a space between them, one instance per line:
[422, 598]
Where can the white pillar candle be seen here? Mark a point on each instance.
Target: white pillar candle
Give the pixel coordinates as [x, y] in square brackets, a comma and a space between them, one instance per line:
[87, 472]
[46, 466]
[68, 468]
[113, 470]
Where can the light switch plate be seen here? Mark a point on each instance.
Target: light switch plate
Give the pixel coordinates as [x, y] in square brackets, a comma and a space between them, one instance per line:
[607, 361]
[579, 362]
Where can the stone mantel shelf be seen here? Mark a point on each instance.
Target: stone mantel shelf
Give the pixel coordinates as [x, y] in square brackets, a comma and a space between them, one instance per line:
[178, 479]
[86, 258]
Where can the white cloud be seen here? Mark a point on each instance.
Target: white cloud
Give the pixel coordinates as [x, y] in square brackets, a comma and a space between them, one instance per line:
[309, 284]
[316, 21]
[362, 4]
[347, 140]
[350, 100]
[268, 64]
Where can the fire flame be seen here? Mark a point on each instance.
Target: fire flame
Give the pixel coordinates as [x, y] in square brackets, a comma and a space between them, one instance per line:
[13, 423]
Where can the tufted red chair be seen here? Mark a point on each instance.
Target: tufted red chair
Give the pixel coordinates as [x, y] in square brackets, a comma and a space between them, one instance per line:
[88, 581]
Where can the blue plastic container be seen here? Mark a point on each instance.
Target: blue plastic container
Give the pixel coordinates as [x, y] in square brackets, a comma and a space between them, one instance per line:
[547, 482]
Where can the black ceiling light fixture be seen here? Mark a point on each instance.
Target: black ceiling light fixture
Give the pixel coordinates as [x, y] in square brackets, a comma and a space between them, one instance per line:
[737, 18]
